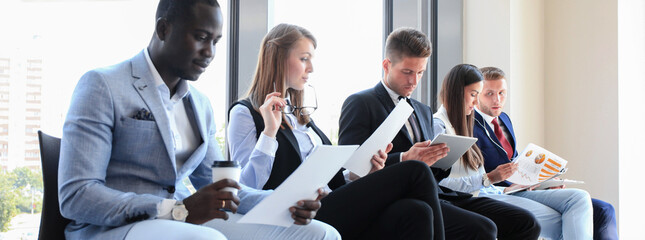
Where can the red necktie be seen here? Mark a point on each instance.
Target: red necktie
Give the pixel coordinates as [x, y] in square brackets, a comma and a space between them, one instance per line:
[502, 139]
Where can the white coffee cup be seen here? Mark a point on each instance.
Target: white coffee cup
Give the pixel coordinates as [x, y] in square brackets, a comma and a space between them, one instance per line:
[226, 169]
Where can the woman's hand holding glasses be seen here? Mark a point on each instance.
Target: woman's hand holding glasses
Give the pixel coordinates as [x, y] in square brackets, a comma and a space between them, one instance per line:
[271, 112]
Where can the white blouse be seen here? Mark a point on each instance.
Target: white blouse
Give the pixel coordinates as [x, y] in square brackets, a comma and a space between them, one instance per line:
[462, 178]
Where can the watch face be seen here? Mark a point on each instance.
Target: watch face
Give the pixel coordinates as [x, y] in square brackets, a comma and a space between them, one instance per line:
[179, 213]
[486, 181]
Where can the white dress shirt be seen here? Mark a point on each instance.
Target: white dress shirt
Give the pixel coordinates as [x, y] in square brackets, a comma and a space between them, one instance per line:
[489, 119]
[436, 127]
[256, 156]
[185, 138]
[395, 98]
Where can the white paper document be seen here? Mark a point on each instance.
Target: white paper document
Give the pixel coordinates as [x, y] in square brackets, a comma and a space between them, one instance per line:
[315, 172]
[360, 162]
[458, 146]
[535, 165]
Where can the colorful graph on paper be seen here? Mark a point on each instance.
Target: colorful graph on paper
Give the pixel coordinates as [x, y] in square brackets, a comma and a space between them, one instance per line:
[535, 165]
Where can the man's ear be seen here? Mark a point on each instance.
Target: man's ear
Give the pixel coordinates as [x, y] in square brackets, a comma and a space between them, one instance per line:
[386, 66]
[162, 28]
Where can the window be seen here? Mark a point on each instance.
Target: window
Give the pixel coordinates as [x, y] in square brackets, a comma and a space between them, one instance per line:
[32, 155]
[349, 54]
[33, 97]
[34, 64]
[77, 36]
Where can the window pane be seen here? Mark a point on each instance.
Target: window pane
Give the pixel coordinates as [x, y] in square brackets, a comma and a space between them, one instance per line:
[349, 54]
[48, 45]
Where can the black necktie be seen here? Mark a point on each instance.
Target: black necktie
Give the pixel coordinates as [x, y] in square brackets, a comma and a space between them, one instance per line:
[412, 120]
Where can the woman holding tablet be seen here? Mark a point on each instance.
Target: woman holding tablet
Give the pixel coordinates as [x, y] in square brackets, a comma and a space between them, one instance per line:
[459, 96]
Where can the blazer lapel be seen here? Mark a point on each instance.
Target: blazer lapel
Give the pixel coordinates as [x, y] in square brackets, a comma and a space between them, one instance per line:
[384, 97]
[386, 102]
[198, 119]
[490, 132]
[144, 85]
[423, 119]
[198, 116]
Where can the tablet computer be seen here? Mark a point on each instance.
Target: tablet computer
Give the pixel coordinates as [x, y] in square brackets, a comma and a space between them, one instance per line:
[458, 146]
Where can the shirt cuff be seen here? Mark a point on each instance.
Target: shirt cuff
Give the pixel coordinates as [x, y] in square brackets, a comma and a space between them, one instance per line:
[346, 175]
[164, 208]
[267, 145]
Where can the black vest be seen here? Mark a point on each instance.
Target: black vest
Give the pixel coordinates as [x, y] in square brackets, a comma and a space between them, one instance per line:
[287, 157]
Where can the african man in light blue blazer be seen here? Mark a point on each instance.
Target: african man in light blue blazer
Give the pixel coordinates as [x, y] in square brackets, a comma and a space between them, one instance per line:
[134, 131]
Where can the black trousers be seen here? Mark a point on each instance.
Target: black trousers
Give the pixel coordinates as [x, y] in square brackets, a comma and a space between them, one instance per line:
[397, 202]
[485, 218]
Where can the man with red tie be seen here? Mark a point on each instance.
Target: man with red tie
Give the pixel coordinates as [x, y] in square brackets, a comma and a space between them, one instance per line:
[496, 140]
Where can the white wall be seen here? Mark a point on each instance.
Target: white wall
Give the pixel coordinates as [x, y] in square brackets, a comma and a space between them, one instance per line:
[509, 35]
[562, 61]
[581, 91]
[631, 59]
[487, 34]
[527, 71]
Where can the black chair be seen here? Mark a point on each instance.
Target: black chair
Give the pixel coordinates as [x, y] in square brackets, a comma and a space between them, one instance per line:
[52, 223]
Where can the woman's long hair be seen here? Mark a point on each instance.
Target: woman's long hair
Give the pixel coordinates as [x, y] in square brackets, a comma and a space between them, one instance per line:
[452, 98]
[272, 68]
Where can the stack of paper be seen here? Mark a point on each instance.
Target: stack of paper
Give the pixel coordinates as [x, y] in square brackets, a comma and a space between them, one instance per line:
[321, 165]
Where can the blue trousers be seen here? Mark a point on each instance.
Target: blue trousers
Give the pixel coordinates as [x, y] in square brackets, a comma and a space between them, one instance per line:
[604, 220]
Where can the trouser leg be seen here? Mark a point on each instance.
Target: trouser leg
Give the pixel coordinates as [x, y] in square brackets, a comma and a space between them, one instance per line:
[404, 219]
[463, 224]
[604, 220]
[573, 204]
[550, 220]
[168, 229]
[355, 207]
[512, 222]
[233, 230]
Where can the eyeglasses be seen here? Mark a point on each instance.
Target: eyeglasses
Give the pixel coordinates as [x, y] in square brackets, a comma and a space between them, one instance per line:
[304, 110]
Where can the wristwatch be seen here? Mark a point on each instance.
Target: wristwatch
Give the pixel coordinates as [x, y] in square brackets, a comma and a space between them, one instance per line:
[179, 211]
[485, 180]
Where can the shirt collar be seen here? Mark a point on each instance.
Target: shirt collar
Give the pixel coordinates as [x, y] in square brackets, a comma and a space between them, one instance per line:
[393, 95]
[489, 119]
[155, 74]
[182, 86]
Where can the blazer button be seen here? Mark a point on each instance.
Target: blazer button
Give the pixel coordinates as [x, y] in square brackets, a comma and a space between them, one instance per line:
[170, 189]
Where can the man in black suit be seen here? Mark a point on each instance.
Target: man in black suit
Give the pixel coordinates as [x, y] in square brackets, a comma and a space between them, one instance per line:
[465, 217]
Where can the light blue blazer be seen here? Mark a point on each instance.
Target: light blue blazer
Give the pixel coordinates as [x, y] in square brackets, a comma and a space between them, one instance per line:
[114, 169]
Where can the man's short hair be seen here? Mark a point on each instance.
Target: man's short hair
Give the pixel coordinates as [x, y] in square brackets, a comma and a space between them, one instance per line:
[172, 10]
[407, 42]
[493, 73]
